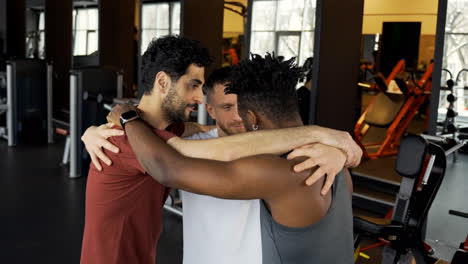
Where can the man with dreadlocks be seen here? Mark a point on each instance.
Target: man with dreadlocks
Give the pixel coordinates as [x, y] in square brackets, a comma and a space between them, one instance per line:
[298, 224]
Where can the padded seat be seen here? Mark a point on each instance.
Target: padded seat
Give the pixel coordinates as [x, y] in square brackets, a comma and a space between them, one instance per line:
[384, 109]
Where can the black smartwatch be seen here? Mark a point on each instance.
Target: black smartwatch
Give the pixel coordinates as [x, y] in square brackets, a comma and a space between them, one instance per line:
[127, 117]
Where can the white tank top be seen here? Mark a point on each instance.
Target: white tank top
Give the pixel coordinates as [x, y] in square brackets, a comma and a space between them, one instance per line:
[219, 231]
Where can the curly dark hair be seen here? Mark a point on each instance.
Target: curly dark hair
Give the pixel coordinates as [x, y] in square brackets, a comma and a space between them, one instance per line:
[266, 85]
[173, 55]
[219, 76]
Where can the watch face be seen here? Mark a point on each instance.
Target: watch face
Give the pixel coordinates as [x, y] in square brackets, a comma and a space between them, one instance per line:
[129, 115]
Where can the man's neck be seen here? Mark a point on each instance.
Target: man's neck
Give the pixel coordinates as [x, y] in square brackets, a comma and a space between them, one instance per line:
[220, 131]
[286, 124]
[152, 113]
[292, 122]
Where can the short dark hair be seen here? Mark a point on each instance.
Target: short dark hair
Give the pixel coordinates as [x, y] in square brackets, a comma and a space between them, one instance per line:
[219, 76]
[266, 85]
[173, 55]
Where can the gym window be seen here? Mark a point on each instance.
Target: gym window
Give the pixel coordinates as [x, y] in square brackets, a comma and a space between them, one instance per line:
[35, 36]
[456, 36]
[456, 56]
[42, 35]
[157, 20]
[85, 31]
[283, 26]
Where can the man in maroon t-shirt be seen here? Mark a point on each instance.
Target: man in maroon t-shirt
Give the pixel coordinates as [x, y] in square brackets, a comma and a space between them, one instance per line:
[123, 202]
[123, 208]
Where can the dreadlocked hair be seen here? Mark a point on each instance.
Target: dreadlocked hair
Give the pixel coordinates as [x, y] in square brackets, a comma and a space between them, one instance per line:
[266, 85]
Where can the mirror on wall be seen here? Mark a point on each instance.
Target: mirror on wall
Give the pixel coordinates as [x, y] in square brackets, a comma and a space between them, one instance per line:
[234, 25]
[398, 40]
[35, 29]
[397, 52]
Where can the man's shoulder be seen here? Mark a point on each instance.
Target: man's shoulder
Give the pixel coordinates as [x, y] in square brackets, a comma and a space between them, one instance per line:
[213, 133]
[124, 145]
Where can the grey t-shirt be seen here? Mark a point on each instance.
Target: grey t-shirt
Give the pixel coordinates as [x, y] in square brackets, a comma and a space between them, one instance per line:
[328, 241]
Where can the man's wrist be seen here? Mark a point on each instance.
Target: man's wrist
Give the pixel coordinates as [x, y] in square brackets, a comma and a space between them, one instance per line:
[133, 123]
[318, 135]
[128, 117]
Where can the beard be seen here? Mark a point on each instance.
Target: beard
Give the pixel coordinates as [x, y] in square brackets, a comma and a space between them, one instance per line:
[230, 131]
[174, 107]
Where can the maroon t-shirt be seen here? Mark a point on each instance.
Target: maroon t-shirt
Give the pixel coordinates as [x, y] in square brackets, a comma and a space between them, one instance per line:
[123, 208]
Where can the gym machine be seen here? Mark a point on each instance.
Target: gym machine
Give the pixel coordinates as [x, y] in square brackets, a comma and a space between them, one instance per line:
[393, 111]
[90, 90]
[378, 82]
[28, 102]
[422, 166]
[448, 143]
[461, 255]
[448, 125]
[3, 104]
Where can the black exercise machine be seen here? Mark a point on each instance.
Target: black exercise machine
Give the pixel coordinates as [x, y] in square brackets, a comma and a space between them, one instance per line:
[418, 161]
[461, 255]
[90, 89]
[26, 99]
[448, 125]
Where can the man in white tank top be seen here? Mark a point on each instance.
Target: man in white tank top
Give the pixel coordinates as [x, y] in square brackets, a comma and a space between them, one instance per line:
[218, 230]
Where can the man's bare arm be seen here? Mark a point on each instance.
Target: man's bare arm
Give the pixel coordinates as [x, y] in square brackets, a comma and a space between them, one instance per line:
[259, 142]
[276, 141]
[249, 178]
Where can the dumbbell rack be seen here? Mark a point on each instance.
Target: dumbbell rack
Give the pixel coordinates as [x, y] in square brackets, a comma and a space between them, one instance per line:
[456, 92]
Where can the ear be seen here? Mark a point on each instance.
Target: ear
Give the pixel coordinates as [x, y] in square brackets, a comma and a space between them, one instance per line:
[251, 118]
[162, 82]
[210, 110]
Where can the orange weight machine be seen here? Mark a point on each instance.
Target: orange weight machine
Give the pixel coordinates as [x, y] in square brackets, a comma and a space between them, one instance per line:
[392, 111]
[381, 83]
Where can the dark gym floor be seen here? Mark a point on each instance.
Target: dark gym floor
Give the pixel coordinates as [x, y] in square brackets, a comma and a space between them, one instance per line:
[42, 211]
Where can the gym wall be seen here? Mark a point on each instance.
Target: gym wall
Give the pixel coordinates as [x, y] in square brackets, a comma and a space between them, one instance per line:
[2, 26]
[15, 28]
[116, 36]
[425, 11]
[334, 99]
[58, 47]
[207, 28]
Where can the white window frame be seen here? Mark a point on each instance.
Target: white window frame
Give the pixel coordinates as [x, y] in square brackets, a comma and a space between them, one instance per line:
[171, 28]
[279, 33]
